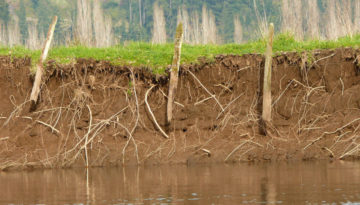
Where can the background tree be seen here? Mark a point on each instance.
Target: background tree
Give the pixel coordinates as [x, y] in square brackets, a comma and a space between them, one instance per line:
[4, 11]
[133, 20]
[22, 21]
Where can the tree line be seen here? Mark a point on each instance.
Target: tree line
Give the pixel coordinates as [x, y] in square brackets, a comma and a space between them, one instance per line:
[103, 23]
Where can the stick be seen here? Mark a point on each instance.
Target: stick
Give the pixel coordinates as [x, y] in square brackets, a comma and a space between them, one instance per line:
[243, 68]
[47, 125]
[342, 86]
[229, 105]
[282, 93]
[201, 101]
[39, 67]
[236, 149]
[329, 150]
[4, 138]
[213, 96]
[177, 103]
[98, 127]
[87, 136]
[266, 114]
[329, 133]
[350, 152]
[207, 152]
[174, 73]
[152, 114]
[322, 59]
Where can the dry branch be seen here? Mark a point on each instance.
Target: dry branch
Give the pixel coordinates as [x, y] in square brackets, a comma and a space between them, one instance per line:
[213, 96]
[203, 100]
[152, 114]
[47, 125]
[355, 149]
[324, 58]
[4, 138]
[97, 127]
[236, 149]
[282, 93]
[206, 151]
[39, 67]
[162, 92]
[329, 133]
[228, 105]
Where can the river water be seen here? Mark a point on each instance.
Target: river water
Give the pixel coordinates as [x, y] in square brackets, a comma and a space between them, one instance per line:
[265, 183]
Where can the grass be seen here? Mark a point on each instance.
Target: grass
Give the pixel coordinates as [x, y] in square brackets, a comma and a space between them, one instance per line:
[158, 57]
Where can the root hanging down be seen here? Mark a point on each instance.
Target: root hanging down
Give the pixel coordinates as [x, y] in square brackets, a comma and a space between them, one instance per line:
[152, 114]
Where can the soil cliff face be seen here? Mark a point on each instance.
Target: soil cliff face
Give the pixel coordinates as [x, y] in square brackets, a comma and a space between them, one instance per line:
[96, 107]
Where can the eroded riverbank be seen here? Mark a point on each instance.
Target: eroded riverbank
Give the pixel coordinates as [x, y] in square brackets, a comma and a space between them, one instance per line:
[315, 112]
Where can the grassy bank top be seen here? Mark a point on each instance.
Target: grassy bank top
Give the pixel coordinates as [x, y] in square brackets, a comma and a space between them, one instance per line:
[159, 57]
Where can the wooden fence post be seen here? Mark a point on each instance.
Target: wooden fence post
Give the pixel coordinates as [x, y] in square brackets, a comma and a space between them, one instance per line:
[174, 73]
[39, 67]
[266, 109]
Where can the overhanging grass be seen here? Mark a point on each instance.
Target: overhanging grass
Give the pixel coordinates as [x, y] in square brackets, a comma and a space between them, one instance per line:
[159, 57]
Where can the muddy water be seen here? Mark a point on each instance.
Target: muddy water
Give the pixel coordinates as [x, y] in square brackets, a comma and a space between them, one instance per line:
[285, 183]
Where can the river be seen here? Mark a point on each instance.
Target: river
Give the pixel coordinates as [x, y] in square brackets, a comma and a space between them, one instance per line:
[260, 183]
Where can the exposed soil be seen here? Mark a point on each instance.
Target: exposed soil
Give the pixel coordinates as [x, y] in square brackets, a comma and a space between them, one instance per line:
[316, 112]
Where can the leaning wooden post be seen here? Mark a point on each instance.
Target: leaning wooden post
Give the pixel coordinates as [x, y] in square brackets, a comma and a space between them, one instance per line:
[39, 67]
[266, 112]
[174, 73]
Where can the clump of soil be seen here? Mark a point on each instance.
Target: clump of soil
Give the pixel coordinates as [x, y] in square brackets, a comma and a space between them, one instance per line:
[100, 108]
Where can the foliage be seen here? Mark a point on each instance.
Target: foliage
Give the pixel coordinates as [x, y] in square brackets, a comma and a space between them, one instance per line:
[126, 15]
[4, 11]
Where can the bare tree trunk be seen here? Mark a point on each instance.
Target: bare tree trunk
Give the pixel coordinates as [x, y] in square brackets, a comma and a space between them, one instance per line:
[238, 32]
[39, 67]
[98, 24]
[130, 9]
[209, 30]
[3, 41]
[205, 25]
[174, 73]
[140, 17]
[292, 18]
[313, 19]
[183, 18]
[332, 31]
[144, 15]
[33, 38]
[102, 26]
[266, 111]
[344, 18]
[285, 13]
[191, 26]
[357, 16]
[261, 20]
[159, 30]
[84, 23]
[14, 32]
[196, 28]
[298, 24]
[108, 32]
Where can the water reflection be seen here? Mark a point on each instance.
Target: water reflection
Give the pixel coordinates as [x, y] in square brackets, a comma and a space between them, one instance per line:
[311, 183]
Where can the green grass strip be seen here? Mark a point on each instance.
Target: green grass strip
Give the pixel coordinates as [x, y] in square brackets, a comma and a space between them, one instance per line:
[158, 57]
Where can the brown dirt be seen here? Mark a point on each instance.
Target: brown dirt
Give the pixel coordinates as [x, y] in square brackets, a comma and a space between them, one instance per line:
[315, 114]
